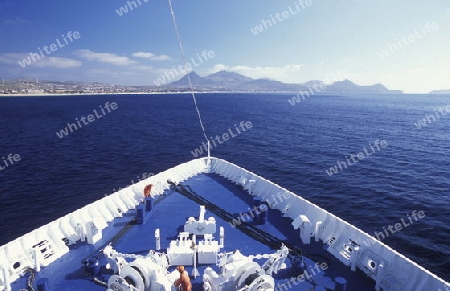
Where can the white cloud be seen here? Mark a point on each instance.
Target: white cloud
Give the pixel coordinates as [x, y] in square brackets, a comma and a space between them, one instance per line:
[143, 55]
[151, 56]
[53, 62]
[162, 58]
[142, 68]
[105, 57]
[11, 58]
[287, 73]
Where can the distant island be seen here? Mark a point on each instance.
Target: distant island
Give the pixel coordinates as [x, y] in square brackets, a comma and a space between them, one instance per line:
[230, 81]
[444, 91]
[222, 81]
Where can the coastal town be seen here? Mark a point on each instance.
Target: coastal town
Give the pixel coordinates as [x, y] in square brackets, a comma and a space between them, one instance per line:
[222, 81]
[37, 87]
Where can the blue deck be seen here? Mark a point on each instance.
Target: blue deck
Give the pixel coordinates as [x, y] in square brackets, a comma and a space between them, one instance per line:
[169, 214]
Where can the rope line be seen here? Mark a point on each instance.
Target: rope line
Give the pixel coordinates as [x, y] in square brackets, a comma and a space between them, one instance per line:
[30, 280]
[187, 73]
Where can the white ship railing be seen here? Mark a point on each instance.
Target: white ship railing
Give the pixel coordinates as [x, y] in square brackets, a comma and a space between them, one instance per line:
[389, 269]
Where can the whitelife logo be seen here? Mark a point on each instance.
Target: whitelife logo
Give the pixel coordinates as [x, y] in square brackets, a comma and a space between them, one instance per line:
[279, 17]
[130, 4]
[263, 207]
[90, 118]
[33, 57]
[398, 227]
[423, 122]
[12, 159]
[360, 156]
[429, 27]
[184, 69]
[317, 88]
[244, 126]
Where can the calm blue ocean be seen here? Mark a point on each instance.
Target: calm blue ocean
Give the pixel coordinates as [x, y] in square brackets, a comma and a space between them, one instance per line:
[291, 145]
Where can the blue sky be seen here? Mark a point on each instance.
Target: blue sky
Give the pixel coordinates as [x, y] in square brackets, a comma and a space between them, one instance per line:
[315, 41]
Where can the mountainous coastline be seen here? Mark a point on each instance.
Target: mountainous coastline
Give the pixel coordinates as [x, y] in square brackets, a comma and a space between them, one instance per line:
[230, 81]
[222, 81]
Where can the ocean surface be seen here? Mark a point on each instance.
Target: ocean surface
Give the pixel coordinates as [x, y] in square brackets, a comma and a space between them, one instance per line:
[293, 146]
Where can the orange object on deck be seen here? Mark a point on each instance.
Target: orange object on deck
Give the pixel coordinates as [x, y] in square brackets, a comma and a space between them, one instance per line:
[148, 190]
[184, 281]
